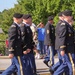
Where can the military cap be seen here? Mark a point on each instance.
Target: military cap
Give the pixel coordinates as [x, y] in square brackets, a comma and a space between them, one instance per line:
[50, 18]
[67, 13]
[18, 15]
[60, 13]
[26, 16]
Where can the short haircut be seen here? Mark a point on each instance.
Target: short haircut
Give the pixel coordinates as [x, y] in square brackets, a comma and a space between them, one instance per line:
[18, 15]
[26, 16]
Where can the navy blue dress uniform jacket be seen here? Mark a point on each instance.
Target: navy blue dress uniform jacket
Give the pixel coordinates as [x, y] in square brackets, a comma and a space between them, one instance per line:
[27, 38]
[64, 37]
[15, 40]
[49, 34]
[28, 43]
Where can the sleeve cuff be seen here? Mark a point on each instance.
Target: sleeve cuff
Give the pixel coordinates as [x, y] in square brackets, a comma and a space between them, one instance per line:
[11, 50]
[62, 47]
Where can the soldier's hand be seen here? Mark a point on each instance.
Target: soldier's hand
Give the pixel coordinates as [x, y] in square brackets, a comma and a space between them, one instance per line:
[28, 50]
[34, 48]
[62, 53]
[11, 56]
[24, 52]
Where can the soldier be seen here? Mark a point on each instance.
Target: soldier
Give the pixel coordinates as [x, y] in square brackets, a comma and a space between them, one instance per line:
[55, 66]
[65, 44]
[28, 40]
[15, 46]
[49, 41]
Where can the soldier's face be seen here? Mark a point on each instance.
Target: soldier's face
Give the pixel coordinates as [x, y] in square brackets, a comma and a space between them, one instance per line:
[70, 18]
[20, 20]
[29, 20]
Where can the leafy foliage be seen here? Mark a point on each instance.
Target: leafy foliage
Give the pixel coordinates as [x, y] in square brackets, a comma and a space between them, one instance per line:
[39, 9]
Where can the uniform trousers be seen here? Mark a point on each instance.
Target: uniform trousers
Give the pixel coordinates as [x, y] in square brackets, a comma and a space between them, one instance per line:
[31, 56]
[55, 66]
[28, 66]
[65, 66]
[50, 55]
[17, 65]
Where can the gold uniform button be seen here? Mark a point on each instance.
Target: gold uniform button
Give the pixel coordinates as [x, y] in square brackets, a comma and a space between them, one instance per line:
[69, 34]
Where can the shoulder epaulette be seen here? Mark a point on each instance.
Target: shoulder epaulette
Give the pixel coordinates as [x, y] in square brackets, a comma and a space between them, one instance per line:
[13, 26]
[62, 24]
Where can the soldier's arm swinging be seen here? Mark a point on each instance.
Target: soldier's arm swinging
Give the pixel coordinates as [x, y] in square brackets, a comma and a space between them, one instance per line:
[12, 38]
[62, 37]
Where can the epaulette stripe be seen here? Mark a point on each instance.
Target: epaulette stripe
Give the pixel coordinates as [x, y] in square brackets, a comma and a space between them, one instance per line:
[62, 23]
[13, 26]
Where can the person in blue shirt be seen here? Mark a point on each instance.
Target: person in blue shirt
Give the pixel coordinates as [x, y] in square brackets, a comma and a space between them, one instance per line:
[41, 35]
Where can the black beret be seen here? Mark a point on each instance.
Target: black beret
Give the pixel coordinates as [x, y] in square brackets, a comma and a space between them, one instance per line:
[60, 13]
[26, 16]
[18, 15]
[50, 18]
[67, 13]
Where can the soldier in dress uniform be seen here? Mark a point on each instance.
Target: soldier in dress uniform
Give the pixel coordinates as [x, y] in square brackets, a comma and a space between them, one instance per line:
[27, 38]
[49, 41]
[55, 66]
[15, 47]
[65, 44]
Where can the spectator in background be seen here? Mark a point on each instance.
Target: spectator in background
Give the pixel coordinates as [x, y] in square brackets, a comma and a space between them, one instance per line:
[41, 35]
[34, 29]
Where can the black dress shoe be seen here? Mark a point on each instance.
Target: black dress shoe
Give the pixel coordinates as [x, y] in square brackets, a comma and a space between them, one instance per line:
[35, 73]
[51, 71]
[15, 73]
[46, 62]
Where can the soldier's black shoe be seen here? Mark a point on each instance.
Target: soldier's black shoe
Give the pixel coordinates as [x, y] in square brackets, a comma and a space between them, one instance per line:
[46, 62]
[15, 73]
[51, 71]
[35, 74]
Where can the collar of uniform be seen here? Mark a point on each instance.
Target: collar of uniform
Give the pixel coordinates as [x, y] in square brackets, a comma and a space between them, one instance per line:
[68, 23]
[26, 24]
[49, 23]
[17, 24]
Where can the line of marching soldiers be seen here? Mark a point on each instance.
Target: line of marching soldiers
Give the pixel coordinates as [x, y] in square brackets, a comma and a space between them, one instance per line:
[21, 46]
[63, 43]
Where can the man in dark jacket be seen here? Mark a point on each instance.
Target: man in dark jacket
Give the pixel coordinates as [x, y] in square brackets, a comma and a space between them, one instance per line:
[65, 44]
[27, 38]
[49, 41]
[55, 66]
[15, 47]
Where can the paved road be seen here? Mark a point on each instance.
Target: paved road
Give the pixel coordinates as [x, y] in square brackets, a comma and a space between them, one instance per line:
[41, 67]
